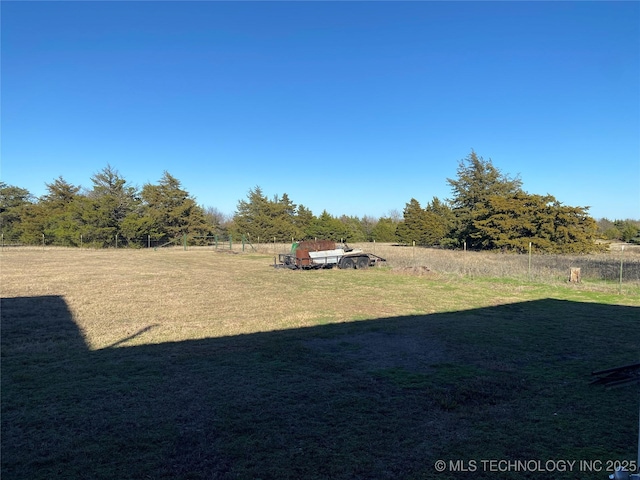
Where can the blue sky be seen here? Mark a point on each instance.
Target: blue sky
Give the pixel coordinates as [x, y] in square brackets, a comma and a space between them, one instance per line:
[352, 107]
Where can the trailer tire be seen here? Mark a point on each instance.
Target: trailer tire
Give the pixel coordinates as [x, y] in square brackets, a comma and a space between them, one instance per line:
[347, 262]
[362, 262]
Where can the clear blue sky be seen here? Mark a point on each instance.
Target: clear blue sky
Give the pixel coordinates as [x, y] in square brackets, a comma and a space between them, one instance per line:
[352, 107]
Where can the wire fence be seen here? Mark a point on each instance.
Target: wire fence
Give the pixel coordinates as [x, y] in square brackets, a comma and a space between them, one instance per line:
[228, 242]
[620, 265]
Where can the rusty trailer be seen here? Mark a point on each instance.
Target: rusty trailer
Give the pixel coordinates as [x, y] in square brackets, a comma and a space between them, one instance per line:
[326, 254]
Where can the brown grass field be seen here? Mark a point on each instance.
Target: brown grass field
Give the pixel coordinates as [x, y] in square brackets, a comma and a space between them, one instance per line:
[213, 364]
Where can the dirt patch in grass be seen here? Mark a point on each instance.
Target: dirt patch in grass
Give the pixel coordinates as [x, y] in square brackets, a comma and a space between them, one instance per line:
[417, 271]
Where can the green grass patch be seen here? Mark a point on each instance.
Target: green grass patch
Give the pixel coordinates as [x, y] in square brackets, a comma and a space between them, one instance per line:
[245, 378]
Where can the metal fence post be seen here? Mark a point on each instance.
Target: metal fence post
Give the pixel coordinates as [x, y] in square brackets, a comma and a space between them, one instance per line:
[413, 253]
[621, 262]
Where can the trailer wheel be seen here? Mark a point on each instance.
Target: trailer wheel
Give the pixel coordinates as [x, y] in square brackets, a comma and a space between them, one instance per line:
[347, 263]
[362, 262]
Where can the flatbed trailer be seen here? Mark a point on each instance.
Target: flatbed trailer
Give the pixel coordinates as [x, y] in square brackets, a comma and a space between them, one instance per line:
[326, 254]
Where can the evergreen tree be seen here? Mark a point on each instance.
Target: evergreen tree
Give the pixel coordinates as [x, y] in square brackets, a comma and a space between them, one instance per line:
[510, 223]
[627, 230]
[439, 221]
[56, 216]
[283, 212]
[624, 230]
[106, 207]
[13, 202]
[354, 228]
[367, 224]
[261, 218]
[574, 230]
[138, 228]
[477, 180]
[426, 227]
[327, 227]
[303, 221]
[385, 230]
[171, 212]
[414, 224]
[251, 217]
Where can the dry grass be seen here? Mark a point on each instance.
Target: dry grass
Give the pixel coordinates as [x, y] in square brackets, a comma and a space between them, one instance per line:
[550, 269]
[443, 367]
[173, 295]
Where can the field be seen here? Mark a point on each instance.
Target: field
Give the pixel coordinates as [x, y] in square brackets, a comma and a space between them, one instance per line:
[204, 364]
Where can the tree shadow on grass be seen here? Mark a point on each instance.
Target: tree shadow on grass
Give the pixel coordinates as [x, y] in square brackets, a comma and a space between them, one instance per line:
[376, 399]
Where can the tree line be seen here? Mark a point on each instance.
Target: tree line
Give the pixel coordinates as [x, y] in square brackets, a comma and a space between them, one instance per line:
[488, 211]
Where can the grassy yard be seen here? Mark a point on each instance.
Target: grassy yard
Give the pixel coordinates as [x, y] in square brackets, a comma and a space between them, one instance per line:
[211, 365]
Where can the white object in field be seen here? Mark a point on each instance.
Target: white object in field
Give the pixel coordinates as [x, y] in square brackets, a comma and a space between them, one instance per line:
[326, 257]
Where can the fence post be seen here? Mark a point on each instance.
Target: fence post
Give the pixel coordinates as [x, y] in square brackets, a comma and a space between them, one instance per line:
[43, 242]
[621, 262]
[243, 239]
[184, 241]
[148, 241]
[116, 240]
[230, 242]
[529, 271]
[413, 253]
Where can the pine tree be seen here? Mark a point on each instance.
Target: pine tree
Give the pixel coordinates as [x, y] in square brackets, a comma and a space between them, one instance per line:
[385, 230]
[261, 218]
[327, 227]
[105, 208]
[55, 215]
[477, 181]
[303, 221]
[171, 212]
[511, 223]
[13, 202]
[413, 226]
